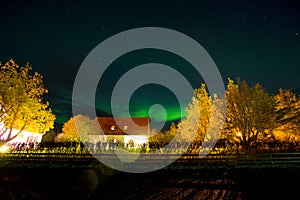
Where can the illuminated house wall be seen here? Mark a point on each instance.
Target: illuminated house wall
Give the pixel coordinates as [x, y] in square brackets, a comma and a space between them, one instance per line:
[23, 137]
[138, 140]
[133, 132]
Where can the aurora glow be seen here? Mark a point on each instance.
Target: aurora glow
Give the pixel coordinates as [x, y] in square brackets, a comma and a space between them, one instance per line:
[258, 41]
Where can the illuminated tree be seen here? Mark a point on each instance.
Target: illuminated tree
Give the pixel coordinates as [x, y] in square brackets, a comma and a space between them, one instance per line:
[21, 104]
[78, 132]
[205, 115]
[156, 139]
[287, 114]
[250, 113]
[163, 138]
[170, 134]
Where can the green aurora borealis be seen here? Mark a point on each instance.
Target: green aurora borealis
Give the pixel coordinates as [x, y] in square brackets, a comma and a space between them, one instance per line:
[258, 41]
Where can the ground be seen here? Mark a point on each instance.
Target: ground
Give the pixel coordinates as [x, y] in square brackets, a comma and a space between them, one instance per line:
[45, 183]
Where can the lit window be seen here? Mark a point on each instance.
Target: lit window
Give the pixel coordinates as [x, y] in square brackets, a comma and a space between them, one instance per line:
[125, 128]
[112, 128]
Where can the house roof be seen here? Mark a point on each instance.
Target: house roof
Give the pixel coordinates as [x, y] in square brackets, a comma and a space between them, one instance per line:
[124, 125]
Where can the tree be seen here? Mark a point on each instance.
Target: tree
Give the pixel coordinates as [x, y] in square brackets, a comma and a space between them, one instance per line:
[198, 115]
[170, 133]
[287, 114]
[21, 101]
[205, 117]
[157, 139]
[163, 138]
[49, 136]
[250, 113]
[78, 132]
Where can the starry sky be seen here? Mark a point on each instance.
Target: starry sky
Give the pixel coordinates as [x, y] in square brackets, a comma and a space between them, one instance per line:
[258, 41]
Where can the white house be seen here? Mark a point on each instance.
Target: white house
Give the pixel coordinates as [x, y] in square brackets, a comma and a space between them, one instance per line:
[132, 132]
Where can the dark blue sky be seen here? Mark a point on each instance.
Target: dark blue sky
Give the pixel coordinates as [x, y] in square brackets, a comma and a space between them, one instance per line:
[258, 41]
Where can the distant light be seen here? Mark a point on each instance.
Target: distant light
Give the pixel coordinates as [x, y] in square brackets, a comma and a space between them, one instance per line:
[4, 148]
[112, 128]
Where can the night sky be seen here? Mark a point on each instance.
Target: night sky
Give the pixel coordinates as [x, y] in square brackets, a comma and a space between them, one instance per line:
[258, 41]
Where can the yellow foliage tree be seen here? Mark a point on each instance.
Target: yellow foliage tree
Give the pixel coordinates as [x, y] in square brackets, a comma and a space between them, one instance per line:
[21, 101]
[205, 117]
[163, 138]
[250, 113]
[287, 115]
[78, 132]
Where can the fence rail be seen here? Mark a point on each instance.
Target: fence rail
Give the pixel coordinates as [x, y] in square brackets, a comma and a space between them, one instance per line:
[258, 160]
